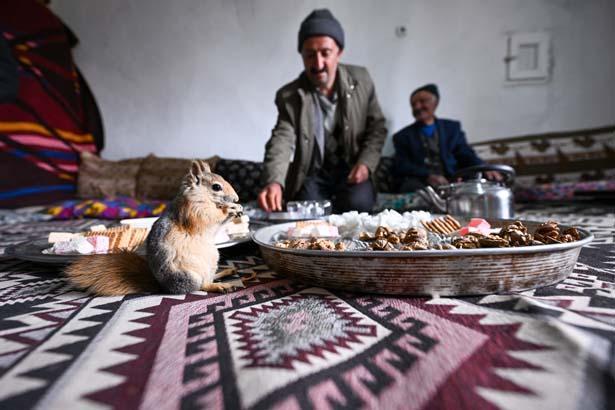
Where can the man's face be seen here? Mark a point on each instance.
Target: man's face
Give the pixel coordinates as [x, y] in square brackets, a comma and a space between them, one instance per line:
[321, 55]
[424, 106]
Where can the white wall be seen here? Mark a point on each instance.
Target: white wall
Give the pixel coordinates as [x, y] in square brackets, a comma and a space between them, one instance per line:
[197, 77]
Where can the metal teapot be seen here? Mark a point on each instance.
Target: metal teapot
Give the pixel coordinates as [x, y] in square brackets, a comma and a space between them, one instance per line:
[475, 196]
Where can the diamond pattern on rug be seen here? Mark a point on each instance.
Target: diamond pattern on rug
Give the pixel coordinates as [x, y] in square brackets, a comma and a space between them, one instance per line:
[277, 334]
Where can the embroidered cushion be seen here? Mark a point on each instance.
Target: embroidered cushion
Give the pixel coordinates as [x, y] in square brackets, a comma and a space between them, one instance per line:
[99, 178]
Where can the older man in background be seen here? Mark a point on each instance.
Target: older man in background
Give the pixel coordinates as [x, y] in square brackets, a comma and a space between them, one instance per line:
[330, 129]
[431, 150]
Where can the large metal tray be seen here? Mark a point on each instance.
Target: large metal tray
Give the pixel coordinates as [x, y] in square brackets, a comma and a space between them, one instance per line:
[434, 272]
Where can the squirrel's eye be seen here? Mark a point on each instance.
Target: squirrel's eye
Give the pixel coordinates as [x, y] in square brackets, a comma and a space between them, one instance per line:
[198, 180]
[216, 187]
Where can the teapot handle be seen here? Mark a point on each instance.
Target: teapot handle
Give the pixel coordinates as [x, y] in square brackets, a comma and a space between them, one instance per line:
[477, 170]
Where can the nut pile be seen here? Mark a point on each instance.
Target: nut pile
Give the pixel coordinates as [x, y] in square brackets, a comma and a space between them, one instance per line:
[511, 235]
[416, 239]
[312, 243]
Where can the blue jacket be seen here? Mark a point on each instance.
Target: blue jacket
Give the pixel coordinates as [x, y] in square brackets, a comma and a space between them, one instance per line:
[455, 152]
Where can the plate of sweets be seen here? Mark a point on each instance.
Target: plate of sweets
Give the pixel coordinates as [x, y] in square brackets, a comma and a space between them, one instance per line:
[418, 253]
[130, 235]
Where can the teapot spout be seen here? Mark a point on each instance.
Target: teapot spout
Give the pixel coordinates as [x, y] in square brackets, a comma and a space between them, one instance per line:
[432, 198]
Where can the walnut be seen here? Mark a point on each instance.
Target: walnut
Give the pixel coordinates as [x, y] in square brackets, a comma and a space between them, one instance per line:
[466, 242]
[393, 238]
[548, 232]
[382, 245]
[415, 235]
[366, 236]
[493, 241]
[321, 244]
[420, 246]
[415, 246]
[442, 246]
[382, 232]
[516, 234]
[340, 246]
[566, 238]
[573, 232]
[299, 244]
[513, 226]
[282, 244]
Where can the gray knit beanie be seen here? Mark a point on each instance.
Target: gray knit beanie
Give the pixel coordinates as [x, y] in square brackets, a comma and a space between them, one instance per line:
[321, 22]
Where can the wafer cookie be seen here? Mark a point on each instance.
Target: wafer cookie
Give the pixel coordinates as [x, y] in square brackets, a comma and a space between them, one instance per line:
[443, 225]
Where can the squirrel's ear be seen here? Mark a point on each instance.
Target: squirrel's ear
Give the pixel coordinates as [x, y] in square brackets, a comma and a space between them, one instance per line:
[199, 168]
[205, 167]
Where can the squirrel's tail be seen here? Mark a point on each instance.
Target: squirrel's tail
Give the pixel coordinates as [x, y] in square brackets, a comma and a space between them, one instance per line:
[113, 274]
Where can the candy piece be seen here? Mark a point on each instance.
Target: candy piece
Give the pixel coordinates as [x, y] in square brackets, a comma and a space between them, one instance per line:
[78, 244]
[100, 243]
[476, 225]
[60, 236]
[238, 226]
[310, 229]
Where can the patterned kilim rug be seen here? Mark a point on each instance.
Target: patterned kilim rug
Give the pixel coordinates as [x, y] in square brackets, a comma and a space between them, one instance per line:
[281, 344]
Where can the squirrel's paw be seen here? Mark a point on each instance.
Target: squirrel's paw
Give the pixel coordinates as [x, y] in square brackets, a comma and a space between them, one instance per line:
[218, 287]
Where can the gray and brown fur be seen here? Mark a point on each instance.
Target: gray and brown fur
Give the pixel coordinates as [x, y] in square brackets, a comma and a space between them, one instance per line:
[182, 256]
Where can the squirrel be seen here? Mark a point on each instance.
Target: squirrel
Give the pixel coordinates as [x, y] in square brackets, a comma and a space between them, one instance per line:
[181, 253]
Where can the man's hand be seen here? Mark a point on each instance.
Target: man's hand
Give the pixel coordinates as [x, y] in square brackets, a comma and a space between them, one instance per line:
[270, 198]
[358, 174]
[436, 180]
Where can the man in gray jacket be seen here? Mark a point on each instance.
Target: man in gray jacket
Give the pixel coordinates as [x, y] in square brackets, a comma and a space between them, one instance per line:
[330, 128]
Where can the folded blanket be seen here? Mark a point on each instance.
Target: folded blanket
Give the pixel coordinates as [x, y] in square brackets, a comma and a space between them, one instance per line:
[107, 208]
